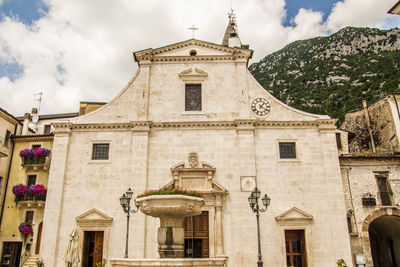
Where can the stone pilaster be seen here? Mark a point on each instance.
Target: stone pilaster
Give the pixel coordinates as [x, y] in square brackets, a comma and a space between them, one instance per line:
[139, 178]
[54, 206]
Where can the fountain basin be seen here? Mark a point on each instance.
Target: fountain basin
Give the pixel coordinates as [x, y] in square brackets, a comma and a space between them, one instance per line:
[171, 209]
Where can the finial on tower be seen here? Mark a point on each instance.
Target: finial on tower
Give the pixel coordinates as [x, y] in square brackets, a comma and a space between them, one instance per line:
[231, 37]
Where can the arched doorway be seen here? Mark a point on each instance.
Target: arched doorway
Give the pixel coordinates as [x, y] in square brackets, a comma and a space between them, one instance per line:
[384, 236]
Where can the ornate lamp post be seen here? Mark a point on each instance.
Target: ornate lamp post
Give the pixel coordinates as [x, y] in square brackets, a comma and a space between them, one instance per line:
[253, 201]
[125, 201]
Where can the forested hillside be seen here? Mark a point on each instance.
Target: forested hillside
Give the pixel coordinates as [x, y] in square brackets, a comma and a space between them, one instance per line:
[331, 75]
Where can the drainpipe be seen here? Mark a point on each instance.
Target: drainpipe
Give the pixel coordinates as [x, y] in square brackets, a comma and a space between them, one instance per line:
[8, 174]
[371, 136]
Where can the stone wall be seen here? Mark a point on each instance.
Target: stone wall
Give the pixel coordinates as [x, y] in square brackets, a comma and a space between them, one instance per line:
[359, 178]
[383, 129]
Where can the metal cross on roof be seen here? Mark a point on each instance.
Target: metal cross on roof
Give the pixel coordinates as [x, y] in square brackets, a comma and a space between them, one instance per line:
[193, 28]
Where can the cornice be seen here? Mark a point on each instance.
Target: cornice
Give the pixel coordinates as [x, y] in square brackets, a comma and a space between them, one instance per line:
[11, 119]
[241, 124]
[32, 138]
[153, 54]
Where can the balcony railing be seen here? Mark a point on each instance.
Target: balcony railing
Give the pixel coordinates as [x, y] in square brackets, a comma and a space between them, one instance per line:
[30, 200]
[35, 163]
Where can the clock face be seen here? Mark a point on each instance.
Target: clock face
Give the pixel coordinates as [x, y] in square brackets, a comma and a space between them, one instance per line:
[260, 106]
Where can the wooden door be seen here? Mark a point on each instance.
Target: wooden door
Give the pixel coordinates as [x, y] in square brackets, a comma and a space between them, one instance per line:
[196, 236]
[92, 248]
[11, 255]
[295, 248]
[39, 239]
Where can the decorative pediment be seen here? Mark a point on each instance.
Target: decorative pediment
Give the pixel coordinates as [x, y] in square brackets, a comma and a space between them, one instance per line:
[193, 50]
[195, 175]
[193, 74]
[94, 216]
[294, 215]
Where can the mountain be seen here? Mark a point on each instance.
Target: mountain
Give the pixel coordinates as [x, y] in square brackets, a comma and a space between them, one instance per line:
[331, 75]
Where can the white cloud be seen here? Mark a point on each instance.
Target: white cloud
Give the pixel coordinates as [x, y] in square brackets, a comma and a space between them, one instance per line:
[82, 50]
[361, 13]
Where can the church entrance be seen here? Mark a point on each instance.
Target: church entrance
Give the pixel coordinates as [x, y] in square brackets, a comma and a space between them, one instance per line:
[196, 236]
[384, 236]
[92, 248]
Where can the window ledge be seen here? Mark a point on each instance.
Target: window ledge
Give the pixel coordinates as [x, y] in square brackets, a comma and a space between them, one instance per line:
[288, 160]
[99, 161]
[193, 113]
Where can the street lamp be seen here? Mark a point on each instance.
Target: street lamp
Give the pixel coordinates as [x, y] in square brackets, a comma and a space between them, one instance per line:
[125, 201]
[253, 202]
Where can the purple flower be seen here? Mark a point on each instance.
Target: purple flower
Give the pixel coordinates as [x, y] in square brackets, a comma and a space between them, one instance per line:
[26, 153]
[42, 152]
[20, 190]
[37, 189]
[25, 229]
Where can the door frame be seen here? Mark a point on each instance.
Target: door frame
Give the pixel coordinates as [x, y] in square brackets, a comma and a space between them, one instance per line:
[96, 221]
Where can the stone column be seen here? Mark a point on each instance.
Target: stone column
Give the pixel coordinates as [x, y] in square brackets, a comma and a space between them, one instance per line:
[218, 222]
[51, 220]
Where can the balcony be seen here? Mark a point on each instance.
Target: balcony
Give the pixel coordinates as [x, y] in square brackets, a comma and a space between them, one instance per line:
[36, 163]
[29, 200]
[35, 159]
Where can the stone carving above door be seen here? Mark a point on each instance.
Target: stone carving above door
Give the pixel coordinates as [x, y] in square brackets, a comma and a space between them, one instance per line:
[195, 175]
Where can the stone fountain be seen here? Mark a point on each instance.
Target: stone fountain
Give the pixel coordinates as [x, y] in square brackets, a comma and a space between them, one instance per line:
[171, 209]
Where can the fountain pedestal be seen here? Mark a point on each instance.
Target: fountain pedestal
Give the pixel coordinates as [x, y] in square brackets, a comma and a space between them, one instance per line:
[171, 209]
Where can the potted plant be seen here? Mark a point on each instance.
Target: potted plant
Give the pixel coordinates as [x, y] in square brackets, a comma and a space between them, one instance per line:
[25, 229]
[27, 156]
[41, 154]
[37, 190]
[19, 191]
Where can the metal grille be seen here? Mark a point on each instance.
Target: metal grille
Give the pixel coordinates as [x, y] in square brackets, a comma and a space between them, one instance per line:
[193, 97]
[100, 151]
[287, 150]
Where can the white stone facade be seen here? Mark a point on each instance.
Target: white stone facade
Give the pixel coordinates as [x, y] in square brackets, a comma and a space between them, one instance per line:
[150, 132]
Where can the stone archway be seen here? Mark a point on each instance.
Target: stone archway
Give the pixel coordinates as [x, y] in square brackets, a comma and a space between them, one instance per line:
[381, 238]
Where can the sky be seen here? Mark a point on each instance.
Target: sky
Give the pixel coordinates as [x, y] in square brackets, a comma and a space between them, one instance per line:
[76, 50]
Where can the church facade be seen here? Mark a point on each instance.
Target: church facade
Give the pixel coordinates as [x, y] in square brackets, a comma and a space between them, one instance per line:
[194, 116]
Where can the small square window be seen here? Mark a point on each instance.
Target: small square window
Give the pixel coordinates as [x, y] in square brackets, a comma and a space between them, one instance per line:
[47, 129]
[29, 217]
[287, 150]
[7, 138]
[193, 97]
[100, 151]
[31, 180]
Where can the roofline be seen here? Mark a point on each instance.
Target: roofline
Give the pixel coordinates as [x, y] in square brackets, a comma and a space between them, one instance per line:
[394, 7]
[181, 42]
[370, 156]
[94, 103]
[10, 115]
[31, 135]
[54, 116]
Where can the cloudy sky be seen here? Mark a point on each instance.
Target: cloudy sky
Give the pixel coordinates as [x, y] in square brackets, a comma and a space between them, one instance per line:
[81, 50]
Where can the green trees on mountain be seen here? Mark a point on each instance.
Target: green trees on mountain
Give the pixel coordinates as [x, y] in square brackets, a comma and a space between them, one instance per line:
[331, 75]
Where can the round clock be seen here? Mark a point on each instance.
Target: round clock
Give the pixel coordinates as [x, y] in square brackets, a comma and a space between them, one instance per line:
[260, 106]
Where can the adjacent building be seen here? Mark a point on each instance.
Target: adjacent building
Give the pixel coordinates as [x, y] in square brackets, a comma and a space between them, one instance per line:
[27, 181]
[371, 181]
